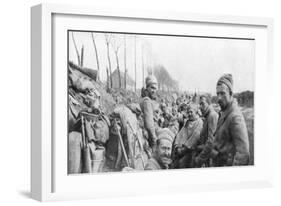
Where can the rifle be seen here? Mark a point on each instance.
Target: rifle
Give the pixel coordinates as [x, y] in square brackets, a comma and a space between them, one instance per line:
[117, 128]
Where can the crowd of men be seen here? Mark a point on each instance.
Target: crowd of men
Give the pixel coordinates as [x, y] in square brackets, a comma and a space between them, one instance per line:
[195, 135]
[153, 134]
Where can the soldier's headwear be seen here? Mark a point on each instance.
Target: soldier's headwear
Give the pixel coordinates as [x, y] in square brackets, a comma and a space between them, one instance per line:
[165, 133]
[226, 79]
[193, 107]
[149, 80]
[183, 107]
[206, 97]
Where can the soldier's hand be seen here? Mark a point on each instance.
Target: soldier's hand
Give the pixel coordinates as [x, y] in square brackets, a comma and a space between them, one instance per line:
[180, 151]
[198, 162]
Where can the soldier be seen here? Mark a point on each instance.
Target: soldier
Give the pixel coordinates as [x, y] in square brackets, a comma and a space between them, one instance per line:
[231, 145]
[161, 158]
[186, 141]
[182, 115]
[150, 109]
[207, 133]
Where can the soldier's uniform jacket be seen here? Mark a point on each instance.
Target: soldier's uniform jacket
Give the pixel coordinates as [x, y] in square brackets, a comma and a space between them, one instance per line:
[150, 109]
[189, 135]
[231, 138]
[152, 164]
[207, 133]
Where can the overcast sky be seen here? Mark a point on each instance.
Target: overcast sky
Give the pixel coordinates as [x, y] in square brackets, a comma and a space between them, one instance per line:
[196, 63]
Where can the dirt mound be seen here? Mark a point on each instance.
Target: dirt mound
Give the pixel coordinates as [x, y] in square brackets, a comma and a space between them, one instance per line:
[84, 87]
[122, 96]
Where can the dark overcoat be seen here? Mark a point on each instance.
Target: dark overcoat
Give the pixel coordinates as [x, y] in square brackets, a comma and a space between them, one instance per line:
[231, 138]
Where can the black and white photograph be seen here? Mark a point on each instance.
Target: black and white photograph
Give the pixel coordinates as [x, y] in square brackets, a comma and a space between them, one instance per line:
[140, 102]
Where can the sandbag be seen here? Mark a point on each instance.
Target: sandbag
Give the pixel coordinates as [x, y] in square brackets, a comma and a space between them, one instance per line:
[96, 128]
[74, 153]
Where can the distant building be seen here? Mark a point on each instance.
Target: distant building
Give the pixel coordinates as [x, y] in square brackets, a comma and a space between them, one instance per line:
[129, 81]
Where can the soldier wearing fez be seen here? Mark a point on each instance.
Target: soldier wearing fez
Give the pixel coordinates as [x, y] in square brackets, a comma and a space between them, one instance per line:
[231, 142]
[150, 109]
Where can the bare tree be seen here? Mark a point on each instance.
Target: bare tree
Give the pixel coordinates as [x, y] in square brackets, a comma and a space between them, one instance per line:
[165, 81]
[107, 75]
[142, 61]
[107, 41]
[135, 46]
[116, 44]
[77, 52]
[125, 66]
[97, 57]
[82, 57]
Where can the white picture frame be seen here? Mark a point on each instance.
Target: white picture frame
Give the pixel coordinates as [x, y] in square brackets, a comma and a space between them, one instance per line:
[49, 181]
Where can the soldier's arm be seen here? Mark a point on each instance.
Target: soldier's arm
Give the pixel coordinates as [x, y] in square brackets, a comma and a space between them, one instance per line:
[207, 149]
[212, 126]
[240, 139]
[193, 140]
[148, 167]
[149, 122]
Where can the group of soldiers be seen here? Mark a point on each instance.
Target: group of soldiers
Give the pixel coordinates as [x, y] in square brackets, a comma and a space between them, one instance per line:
[152, 135]
[196, 135]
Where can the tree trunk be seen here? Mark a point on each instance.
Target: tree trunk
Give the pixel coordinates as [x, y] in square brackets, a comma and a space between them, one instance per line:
[109, 65]
[125, 66]
[82, 56]
[77, 52]
[118, 68]
[135, 64]
[142, 67]
[107, 78]
[97, 57]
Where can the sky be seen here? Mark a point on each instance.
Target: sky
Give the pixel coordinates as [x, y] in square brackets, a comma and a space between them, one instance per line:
[195, 62]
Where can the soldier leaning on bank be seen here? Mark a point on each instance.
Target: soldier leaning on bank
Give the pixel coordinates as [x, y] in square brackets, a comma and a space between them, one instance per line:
[231, 143]
[150, 109]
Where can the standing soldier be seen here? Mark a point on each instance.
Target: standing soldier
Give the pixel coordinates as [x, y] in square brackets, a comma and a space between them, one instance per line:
[210, 117]
[231, 145]
[150, 109]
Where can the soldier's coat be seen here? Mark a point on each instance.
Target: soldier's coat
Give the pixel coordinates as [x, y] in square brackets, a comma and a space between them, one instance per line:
[152, 164]
[231, 137]
[207, 133]
[150, 109]
[189, 135]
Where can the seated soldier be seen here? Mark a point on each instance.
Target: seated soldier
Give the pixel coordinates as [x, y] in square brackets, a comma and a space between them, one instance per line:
[161, 158]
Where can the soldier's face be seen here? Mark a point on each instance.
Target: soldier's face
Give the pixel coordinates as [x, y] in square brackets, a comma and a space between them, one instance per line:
[203, 105]
[152, 91]
[223, 95]
[191, 114]
[163, 152]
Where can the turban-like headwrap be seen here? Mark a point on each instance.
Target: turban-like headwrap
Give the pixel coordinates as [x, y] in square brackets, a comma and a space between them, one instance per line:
[193, 107]
[150, 80]
[165, 133]
[227, 80]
